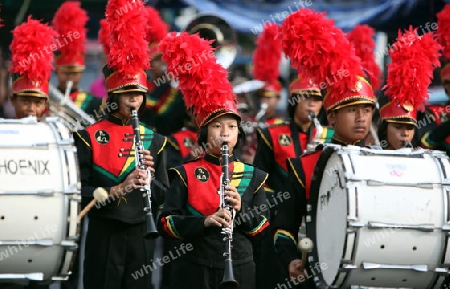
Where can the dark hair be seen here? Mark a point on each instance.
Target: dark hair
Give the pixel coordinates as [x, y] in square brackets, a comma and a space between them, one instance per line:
[114, 98]
[202, 137]
[291, 109]
[382, 135]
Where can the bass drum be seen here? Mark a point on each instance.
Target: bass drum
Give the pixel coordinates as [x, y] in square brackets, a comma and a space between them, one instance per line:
[39, 200]
[379, 219]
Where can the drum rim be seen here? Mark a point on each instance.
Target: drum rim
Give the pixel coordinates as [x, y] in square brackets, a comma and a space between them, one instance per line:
[311, 231]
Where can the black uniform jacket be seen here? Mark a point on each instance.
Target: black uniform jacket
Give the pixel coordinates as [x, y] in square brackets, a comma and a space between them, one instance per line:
[193, 195]
[106, 157]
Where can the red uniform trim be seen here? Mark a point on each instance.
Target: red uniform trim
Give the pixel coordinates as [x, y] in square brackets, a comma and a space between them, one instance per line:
[180, 138]
[282, 152]
[309, 162]
[203, 180]
[105, 146]
[438, 111]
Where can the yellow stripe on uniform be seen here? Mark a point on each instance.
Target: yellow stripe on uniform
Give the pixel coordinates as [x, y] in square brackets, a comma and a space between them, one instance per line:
[284, 233]
[238, 169]
[171, 229]
[264, 139]
[79, 100]
[260, 227]
[163, 145]
[170, 99]
[89, 146]
[132, 157]
[295, 173]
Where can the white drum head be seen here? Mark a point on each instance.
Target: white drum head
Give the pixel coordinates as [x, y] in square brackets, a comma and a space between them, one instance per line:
[379, 218]
[327, 220]
[331, 220]
[40, 194]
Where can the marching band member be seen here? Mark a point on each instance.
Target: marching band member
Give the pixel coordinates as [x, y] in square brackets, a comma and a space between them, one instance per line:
[31, 80]
[409, 76]
[115, 245]
[279, 142]
[31, 77]
[275, 145]
[192, 210]
[69, 21]
[266, 60]
[166, 111]
[349, 104]
[362, 37]
[436, 131]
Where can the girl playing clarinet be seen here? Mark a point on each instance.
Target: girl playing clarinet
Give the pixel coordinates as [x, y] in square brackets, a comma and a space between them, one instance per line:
[192, 210]
[115, 244]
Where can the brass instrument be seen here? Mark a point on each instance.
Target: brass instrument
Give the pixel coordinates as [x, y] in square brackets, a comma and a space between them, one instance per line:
[228, 281]
[74, 117]
[212, 27]
[314, 141]
[261, 115]
[151, 231]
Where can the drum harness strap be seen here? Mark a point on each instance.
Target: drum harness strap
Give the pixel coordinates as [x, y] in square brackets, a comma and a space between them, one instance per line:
[297, 146]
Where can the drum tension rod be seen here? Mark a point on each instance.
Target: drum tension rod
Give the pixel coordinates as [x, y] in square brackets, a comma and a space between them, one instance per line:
[27, 276]
[421, 227]
[418, 268]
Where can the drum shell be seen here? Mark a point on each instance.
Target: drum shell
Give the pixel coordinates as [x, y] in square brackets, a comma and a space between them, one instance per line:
[40, 199]
[353, 190]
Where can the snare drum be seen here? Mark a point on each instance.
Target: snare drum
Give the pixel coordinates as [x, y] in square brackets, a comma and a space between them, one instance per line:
[39, 200]
[379, 218]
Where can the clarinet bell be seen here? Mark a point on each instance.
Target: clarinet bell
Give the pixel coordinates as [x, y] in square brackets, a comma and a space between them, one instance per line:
[151, 232]
[228, 281]
[230, 284]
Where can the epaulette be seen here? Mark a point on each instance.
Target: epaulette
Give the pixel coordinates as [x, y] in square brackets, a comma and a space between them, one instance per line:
[294, 166]
[176, 171]
[172, 143]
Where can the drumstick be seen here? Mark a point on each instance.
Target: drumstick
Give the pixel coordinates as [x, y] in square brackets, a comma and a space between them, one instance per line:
[100, 194]
[305, 245]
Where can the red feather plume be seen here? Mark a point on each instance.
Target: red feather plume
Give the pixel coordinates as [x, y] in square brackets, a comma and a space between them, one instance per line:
[203, 82]
[410, 73]
[267, 55]
[157, 29]
[128, 47]
[30, 49]
[314, 44]
[103, 35]
[362, 38]
[443, 30]
[70, 21]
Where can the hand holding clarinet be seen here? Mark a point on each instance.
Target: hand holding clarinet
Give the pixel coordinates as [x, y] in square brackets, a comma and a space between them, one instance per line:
[222, 218]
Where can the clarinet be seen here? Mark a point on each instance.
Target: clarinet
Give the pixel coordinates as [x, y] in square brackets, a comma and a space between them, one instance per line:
[151, 231]
[228, 281]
